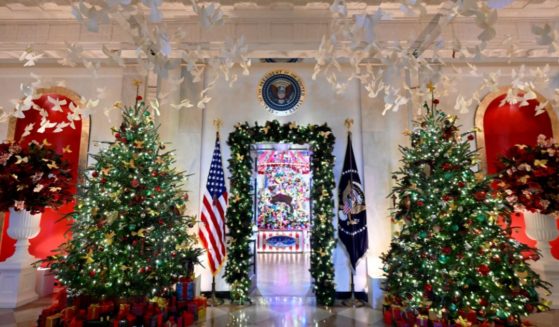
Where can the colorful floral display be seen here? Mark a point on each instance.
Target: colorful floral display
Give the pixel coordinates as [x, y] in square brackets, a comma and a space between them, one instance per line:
[33, 177]
[283, 200]
[529, 176]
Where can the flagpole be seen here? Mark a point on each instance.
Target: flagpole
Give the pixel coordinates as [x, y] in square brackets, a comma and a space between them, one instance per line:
[214, 301]
[352, 301]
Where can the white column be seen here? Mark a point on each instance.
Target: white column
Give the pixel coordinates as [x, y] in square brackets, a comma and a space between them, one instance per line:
[17, 276]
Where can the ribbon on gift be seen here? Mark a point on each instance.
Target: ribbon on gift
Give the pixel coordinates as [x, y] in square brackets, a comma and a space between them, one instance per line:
[462, 322]
[93, 312]
[68, 314]
[422, 321]
[53, 321]
[160, 302]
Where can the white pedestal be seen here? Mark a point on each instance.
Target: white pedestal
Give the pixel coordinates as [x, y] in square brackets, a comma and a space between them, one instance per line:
[17, 277]
[376, 294]
[543, 229]
[17, 284]
[45, 282]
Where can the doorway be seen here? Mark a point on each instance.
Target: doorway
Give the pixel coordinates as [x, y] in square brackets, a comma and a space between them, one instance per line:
[282, 216]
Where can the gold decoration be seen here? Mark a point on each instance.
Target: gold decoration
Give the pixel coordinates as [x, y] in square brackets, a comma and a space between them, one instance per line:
[46, 142]
[130, 164]
[325, 134]
[89, 256]
[139, 144]
[67, 149]
[118, 105]
[109, 237]
[348, 123]
[431, 87]
[266, 129]
[292, 125]
[239, 157]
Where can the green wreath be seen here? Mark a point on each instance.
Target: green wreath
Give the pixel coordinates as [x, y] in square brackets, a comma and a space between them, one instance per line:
[239, 223]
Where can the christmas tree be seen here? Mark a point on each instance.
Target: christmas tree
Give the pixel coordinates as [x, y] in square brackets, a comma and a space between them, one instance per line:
[129, 237]
[452, 259]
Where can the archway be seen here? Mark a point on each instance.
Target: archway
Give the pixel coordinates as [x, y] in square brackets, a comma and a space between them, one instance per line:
[505, 125]
[72, 143]
[239, 223]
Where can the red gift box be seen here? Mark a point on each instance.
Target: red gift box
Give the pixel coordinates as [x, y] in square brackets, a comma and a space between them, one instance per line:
[422, 321]
[402, 323]
[68, 315]
[387, 317]
[187, 318]
[396, 312]
[201, 301]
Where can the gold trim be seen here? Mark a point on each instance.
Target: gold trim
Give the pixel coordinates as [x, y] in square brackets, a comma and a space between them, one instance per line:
[84, 139]
[284, 72]
[480, 114]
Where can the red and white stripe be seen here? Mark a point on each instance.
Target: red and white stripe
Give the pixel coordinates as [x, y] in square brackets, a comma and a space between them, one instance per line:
[212, 229]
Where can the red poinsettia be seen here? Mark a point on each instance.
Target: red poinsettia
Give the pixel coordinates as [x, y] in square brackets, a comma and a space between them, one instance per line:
[529, 176]
[32, 177]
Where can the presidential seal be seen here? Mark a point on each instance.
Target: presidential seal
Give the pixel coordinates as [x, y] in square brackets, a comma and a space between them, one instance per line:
[281, 92]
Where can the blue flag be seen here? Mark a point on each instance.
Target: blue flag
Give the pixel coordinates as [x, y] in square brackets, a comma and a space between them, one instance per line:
[352, 213]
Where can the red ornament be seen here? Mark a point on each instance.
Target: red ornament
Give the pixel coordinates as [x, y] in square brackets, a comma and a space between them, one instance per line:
[436, 101]
[484, 270]
[117, 135]
[158, 188]
[420, 203]
[103, 180]
[91, 273]
[470, 137]
[447, 197]
[154, 174]
[446, 166]
[95, 174]
[446, 250]
[480, 195]
[139, 98]
[461, 184]
[428, 287]
[135, 183]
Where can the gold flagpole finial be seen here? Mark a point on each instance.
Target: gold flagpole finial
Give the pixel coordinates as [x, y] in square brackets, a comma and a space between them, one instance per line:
[217, 124]
[348, 124]
[137, 82]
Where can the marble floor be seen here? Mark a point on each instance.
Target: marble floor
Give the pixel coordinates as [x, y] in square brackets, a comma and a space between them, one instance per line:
[274, 311]
[283, 274]
[282, 298]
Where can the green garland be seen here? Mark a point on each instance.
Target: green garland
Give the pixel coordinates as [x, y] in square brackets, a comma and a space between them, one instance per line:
[239, 213]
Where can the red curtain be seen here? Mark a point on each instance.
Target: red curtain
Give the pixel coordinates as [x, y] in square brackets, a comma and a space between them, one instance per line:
[66, 142]
[507, 125]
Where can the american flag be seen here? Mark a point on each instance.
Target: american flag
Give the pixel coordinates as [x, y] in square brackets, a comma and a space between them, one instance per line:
[212, 229]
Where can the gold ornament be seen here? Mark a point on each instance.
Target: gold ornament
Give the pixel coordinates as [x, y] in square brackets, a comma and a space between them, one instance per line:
[292, 125]
[139, 144]
[109, 237]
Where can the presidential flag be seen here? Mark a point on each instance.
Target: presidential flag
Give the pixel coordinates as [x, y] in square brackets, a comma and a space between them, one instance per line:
[214, 206]
[352, 213]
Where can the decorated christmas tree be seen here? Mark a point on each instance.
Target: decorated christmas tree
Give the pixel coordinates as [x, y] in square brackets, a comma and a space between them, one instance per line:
[129, 236]
[453, 259]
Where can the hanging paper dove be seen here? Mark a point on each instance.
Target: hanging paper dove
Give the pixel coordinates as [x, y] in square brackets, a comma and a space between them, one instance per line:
[339, 7]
